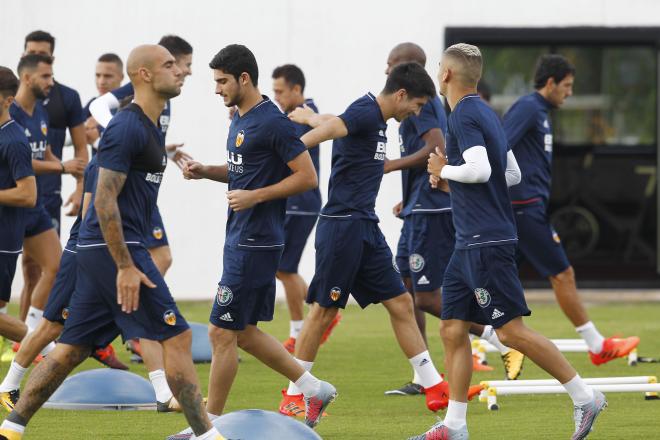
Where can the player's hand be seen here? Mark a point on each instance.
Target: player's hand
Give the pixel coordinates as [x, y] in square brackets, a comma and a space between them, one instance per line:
[436, 163]
[178, 156]
[74, 201]
[302, 114]
[75, 167]
[240, 199]
[397, 209]
[128, 288]
[193, 170]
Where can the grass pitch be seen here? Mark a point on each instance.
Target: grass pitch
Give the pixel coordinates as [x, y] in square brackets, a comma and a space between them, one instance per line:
[363, 360]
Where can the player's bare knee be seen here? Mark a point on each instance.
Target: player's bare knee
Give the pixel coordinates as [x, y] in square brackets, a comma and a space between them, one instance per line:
[451, 331]
[222, 338]
[178, 344]
[565, 277]
[426, 302]
[400, 307]
[282, 276]
[50, 330]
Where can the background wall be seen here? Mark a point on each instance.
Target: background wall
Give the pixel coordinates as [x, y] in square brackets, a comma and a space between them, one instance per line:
[341, 46]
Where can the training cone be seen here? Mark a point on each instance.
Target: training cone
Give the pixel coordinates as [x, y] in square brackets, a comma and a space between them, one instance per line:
[104, 389]
[256, 424]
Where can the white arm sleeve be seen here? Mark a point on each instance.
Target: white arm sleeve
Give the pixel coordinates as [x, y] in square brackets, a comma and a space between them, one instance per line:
[512, 174]
[101, 108]
[476, 168]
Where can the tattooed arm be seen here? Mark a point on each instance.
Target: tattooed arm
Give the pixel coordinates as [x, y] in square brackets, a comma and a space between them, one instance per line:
[129, 278]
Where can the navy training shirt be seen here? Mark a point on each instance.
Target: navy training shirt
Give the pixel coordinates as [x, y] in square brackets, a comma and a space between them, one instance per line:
[483, 215]
[64, 111]
[357, 162]
[309, 202]
[127, 92]
[131, 145]
[259, 146]
[529, 135]
[15, 164]
[36, 130]
[418, 196]
[89, 186]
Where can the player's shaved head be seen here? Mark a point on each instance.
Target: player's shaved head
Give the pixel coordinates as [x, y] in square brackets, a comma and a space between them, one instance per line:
[464, 60]
[406, 53]
[146, 56]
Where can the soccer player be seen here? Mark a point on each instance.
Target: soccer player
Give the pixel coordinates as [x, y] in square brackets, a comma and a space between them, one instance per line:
[352, 256]
[118, 288]
[302, 210]
[64, 111]
[266, 163]
[41, 241]
[109, 73]
[481, 282]
[427, 236]
[529, 134]
[18, 191]
[156, 239]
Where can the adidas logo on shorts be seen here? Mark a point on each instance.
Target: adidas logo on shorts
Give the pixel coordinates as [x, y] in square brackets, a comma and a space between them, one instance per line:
[496, 314]
[423, 281]
[226, 317]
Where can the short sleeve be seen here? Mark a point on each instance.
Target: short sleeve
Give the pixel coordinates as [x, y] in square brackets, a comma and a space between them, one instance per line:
[89, 180]
[517, 122]
[286, 142]
[358, 117]
[427, 120]
[468, 131]
[123, 91]
[120, 143]
[20, 160]
[74, 111]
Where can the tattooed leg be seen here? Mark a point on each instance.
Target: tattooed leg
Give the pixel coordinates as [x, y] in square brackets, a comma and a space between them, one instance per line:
[47, 377]
[182, 379]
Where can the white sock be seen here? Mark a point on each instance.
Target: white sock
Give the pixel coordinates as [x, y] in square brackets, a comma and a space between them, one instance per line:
[4, 309]
[456, 413]
[12, 426]
[308, 384]
[33, 317]
[210, 435]
[579, 391]
[490, 335]
[416, 379]
[423, 366]
[48, 348]
[12, 380]
[293, 389]
[294, 328]
[591, 336]
[212, 417]
[162, 389]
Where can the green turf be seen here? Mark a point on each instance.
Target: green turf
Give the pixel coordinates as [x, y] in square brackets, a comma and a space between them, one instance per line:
[362, 360]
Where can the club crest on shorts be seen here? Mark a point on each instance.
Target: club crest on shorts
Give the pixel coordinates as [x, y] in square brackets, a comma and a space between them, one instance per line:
[157, 233]
[239, 138]
[555, 237]
[169, 317]
[65, 313]
[335, 293]
[224, 296]
[482, 296]
[416, 262]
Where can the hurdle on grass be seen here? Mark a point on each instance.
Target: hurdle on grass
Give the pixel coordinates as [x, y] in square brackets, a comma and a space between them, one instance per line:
[631, 384]
[481, 346]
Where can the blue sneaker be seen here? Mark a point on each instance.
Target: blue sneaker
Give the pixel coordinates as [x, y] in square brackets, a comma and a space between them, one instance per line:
[585, 415]
[441, 432]
[315, 405]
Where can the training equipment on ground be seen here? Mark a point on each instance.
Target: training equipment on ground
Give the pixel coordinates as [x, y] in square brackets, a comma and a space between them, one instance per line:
[104, 389]
[201, 345]
[629, 384]
[255, 424]
[481, 346]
